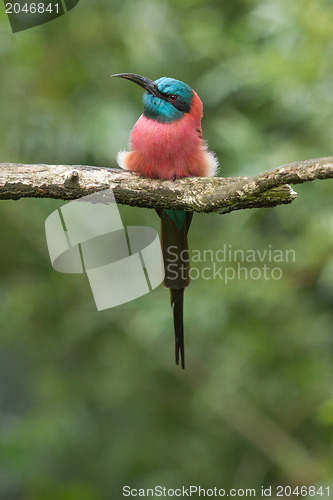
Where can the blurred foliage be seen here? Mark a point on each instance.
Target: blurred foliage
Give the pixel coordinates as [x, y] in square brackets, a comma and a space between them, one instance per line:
[91, 401]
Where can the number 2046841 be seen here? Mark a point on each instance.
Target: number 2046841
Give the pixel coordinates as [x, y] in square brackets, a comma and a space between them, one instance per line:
[31, 8]
[303, 491]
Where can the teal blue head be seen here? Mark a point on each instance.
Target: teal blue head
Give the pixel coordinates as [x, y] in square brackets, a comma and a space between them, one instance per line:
[166, 99]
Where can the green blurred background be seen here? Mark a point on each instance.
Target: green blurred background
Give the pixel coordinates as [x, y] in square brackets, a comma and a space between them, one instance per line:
[92, 401]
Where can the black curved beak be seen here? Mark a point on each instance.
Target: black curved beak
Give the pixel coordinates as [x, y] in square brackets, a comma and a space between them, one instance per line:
[147, 84]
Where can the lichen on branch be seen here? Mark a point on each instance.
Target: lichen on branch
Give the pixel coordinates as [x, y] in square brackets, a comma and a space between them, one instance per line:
[197, 194]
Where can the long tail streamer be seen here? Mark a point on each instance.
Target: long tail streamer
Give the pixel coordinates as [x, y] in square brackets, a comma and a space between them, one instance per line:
[174, 228]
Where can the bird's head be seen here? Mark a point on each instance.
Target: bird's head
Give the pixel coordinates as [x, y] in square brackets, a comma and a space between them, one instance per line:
[166, 99]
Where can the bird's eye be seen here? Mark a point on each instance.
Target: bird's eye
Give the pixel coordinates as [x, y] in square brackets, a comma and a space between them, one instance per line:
[173, 97]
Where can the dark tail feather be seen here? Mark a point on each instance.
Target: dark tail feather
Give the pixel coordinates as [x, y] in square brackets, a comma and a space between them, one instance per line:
[177, 272]
[177, 301]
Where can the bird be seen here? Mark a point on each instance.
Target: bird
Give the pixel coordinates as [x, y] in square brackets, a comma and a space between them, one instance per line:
[167, 143]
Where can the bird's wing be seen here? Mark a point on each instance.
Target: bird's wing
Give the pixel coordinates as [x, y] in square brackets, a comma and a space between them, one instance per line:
[199, 132]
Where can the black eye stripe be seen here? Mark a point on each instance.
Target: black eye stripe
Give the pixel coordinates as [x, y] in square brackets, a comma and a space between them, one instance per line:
[184, 107]
[181, 106]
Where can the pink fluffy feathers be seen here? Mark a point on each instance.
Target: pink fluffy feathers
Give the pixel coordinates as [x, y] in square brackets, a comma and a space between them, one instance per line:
[170, 150]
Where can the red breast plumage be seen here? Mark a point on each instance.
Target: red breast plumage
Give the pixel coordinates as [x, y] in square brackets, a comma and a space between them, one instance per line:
[170, 150]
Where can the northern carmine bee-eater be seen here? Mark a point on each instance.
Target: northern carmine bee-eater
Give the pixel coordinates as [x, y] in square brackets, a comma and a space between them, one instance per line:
[167, 143]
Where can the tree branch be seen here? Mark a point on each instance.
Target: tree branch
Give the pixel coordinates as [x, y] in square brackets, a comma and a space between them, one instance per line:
[198, 194]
